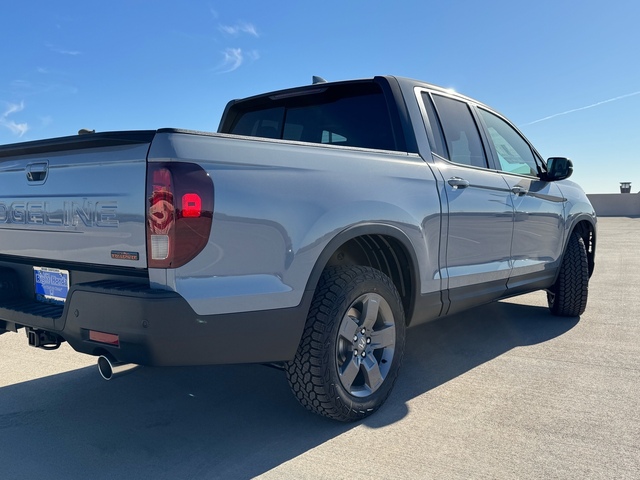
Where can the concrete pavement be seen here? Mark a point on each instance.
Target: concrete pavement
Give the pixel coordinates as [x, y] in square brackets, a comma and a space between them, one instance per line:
[504, 391]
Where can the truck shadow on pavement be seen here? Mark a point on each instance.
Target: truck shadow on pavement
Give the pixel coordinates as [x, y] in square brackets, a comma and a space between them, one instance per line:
[226, 421]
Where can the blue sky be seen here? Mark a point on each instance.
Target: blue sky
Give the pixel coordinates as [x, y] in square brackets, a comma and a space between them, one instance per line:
[567, 73]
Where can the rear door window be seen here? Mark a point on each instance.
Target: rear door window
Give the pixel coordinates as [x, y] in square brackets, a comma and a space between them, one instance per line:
[462, 138]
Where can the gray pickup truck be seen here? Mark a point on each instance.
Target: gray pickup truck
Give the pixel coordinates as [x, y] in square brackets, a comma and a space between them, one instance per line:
[315, 227]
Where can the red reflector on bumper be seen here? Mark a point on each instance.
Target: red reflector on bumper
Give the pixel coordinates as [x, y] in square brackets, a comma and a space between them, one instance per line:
[108, 338]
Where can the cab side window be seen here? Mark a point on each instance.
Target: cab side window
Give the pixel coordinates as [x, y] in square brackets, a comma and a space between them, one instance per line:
[514, 153]
[462, 139]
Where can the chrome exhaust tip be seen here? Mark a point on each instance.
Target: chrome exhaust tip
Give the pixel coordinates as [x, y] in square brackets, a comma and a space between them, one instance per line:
[109, 367]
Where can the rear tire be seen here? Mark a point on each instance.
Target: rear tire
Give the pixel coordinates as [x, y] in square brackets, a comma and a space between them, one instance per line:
[568, 296]
[352, 345]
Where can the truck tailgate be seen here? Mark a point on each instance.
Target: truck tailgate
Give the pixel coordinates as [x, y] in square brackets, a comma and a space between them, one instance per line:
[76, 199]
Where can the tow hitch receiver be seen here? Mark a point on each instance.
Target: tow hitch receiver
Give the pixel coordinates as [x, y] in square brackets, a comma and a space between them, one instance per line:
[43, 339]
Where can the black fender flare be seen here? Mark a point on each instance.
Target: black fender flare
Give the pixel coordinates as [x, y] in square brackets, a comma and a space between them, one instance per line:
[360, 230]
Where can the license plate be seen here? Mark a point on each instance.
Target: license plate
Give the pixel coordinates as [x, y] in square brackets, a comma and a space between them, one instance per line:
[52, 284]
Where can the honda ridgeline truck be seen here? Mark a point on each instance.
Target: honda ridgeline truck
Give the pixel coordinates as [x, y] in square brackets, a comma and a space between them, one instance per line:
[310, 231]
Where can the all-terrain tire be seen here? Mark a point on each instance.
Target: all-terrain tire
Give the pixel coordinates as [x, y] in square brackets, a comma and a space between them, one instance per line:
[568, 296]
[352, 345]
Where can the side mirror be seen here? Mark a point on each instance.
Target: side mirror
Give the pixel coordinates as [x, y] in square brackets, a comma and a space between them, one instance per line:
[558, 168]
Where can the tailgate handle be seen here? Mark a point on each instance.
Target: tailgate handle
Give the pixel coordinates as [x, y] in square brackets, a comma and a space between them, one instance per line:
[37, 172]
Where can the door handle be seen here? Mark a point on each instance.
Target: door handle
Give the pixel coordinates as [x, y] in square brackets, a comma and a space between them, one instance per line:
[457, 182]
[520, 191]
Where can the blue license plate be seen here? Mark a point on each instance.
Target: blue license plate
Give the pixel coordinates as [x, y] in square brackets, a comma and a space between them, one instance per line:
[52, 284]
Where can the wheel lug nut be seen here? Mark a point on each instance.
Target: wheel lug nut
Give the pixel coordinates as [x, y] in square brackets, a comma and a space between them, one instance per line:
[363, 331]
[355, 353]
[364, 354]
[368, 340]
[355, 338]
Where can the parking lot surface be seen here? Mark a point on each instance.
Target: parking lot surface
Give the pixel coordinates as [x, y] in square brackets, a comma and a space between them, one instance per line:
[503, 391]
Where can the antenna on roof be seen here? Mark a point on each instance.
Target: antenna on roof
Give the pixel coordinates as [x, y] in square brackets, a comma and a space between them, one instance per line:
[315, 79]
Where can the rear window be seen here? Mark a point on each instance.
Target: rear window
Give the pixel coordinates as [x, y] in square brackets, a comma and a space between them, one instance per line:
[354, 115]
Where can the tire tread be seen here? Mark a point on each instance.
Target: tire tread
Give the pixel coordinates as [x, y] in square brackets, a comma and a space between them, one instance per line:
[568, 296]
[307, 374]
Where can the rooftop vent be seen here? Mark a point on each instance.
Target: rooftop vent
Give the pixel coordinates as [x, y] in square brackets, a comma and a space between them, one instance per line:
[625, 187]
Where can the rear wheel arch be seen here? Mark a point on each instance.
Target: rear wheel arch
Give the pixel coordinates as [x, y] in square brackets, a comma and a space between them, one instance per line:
[383, 247]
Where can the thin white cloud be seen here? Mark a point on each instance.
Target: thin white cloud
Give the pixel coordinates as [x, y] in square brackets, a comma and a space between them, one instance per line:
[62, 51]
[18, 129]
[13, 108]
[233, 58]
[21, 84]
[583, 108]
[238, 29]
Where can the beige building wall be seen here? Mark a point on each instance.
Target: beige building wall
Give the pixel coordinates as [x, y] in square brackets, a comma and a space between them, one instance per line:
[616, 204]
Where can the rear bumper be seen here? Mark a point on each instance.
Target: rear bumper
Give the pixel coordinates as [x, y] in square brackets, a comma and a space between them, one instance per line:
[158, 327]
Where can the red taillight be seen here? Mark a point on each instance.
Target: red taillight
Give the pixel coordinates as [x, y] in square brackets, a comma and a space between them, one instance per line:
[179, 213]
[191, 205]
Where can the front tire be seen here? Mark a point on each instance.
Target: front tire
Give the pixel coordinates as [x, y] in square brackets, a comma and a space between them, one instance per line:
[568, 296]
[352, 345]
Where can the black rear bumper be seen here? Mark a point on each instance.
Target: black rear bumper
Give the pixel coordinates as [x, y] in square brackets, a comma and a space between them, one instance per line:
[158, 327]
